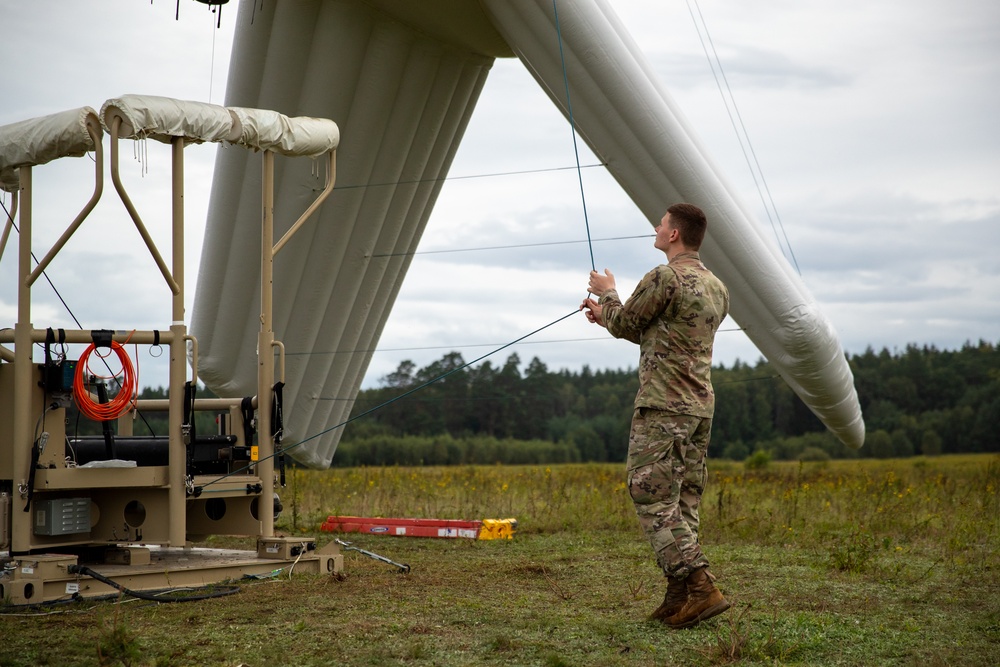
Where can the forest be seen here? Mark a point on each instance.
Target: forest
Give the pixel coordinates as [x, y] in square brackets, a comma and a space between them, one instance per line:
[920, 400]
[917, 401]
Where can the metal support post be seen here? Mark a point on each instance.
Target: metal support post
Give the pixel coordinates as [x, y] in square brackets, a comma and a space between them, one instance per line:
[21, 441]
[265, 355]
[177, 496]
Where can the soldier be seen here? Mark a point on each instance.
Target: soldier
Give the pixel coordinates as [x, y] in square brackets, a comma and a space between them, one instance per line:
[673, 316]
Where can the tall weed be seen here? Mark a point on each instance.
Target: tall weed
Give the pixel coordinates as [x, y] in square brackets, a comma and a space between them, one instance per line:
[855, 512]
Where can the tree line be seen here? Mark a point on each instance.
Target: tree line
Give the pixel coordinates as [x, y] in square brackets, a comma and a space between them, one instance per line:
[920, 400]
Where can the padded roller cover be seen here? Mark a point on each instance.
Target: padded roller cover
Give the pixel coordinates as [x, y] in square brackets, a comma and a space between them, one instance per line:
[267, 130]
[28, 143]
[163, 118]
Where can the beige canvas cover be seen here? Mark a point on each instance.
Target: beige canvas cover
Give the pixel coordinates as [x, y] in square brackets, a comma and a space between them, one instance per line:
[162, 118]
[37, 141]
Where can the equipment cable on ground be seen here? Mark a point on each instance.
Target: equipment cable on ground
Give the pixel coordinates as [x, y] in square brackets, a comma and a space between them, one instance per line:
[146, 595]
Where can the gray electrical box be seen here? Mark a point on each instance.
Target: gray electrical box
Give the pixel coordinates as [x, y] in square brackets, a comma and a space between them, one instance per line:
[62, 516]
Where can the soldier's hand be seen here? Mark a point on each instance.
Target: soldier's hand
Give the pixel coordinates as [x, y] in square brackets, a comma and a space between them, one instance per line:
[593, 311]
[600, 284]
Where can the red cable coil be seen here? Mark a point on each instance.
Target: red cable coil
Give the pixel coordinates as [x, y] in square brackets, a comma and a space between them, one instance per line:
[122, 402]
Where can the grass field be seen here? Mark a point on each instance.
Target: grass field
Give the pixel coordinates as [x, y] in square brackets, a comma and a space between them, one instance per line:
[838, 563]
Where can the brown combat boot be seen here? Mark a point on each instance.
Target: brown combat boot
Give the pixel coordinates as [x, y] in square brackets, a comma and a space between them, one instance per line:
[704, 601]
[673, 601]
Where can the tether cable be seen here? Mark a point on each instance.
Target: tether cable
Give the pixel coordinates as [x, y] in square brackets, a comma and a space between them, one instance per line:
[603, 339]
[572, 125]
[439, 179]
[513, 247]
[509, 397]
[63, 302]
[44, 274]
[740, 137]
[388, 402]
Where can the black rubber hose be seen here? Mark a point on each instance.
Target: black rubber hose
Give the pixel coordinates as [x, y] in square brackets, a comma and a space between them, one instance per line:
[143, 595]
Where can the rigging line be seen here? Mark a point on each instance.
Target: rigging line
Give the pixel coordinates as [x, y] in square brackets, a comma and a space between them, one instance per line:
[740, 138]
[211, 64]
[282, 450]
[512, 397]
[726, 102]
[44, 274]
[572, 125]
[446, 347]
[62, 300]
[603, 339]
[467, 177]
[509, 247]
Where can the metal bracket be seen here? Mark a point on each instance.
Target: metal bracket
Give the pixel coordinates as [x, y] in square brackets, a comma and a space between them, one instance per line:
[403, 567]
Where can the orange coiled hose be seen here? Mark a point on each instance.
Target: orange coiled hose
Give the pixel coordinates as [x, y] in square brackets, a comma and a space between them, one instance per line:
[123, 401]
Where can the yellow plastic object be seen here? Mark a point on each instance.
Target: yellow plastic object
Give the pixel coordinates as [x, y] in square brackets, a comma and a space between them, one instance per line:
[498, 529]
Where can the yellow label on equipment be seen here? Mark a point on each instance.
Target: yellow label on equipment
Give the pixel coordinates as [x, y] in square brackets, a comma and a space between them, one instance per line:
[498, 529]
[254, 453]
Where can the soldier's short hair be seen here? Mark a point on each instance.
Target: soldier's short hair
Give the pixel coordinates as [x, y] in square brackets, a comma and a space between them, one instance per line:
[691, 222]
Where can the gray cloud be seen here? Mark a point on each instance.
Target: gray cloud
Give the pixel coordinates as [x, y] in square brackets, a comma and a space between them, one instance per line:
[749, 67]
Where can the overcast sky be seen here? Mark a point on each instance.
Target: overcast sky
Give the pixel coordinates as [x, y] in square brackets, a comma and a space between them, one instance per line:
[874, 124]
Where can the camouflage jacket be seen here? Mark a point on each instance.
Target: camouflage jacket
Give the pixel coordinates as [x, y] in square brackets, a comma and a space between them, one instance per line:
[672, 315]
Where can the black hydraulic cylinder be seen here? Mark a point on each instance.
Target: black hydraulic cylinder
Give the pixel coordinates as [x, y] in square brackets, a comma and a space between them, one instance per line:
[151, 450]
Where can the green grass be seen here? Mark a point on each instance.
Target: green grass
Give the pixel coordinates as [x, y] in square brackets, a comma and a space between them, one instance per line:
[849, 563]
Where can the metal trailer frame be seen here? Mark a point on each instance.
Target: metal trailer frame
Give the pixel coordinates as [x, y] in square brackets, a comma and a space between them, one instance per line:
[141, 519]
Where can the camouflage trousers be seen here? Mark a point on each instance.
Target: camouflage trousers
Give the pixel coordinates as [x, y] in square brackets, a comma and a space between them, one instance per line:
[666, 477]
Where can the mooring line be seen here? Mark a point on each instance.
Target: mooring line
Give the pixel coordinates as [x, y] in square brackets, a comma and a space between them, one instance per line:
[465, 177]
[572, 125]
[712, 64]
[461, 346]
[390, 401]
[515, 246]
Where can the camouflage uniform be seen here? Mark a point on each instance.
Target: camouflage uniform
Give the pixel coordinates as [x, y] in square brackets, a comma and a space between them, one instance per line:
[673, 316]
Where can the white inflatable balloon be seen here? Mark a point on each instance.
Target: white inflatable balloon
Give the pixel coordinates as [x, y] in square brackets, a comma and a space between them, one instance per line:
[401, 79]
